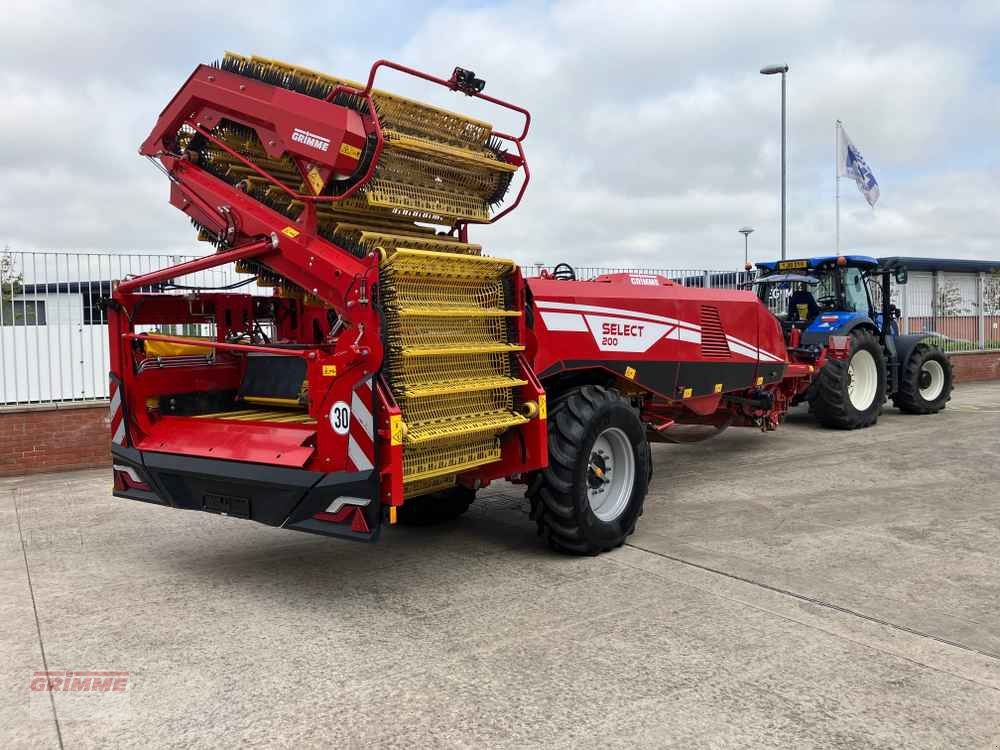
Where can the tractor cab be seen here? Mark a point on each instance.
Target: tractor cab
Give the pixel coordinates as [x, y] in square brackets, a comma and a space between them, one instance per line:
[819, 296]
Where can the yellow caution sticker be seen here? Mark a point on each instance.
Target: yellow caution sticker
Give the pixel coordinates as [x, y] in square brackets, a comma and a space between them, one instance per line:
[630, 373]
[718, 387]
[348, 150]
[315, 180]
[329, 371]
[688, 392]
[542, 412]
[396, 430]
[290, 232]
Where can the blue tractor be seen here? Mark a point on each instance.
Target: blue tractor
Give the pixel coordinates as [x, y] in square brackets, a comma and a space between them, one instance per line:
[816, 298]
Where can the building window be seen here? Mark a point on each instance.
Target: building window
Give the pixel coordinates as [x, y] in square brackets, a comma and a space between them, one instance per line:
[93, 315]
[22, 312]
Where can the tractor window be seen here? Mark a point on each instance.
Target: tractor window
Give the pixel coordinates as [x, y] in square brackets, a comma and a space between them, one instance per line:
[826, 292]
[855, 293]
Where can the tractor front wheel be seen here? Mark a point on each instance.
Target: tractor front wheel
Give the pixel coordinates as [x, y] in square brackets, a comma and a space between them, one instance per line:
[850, 392]
[591, 494]
[925, 381]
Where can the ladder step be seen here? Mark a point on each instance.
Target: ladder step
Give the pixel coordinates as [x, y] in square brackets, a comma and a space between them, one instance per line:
[467, 385]
[458, 312]
[444, 351]
[432, 264]
[494, 422]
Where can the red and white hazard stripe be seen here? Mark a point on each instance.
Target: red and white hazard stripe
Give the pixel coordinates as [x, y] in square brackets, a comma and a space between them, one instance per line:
[361, 439]
[117, 414]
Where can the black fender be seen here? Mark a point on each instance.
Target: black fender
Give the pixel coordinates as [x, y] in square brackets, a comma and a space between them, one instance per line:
[906, 344]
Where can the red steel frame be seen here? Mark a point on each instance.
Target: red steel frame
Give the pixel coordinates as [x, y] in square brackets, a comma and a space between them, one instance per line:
[292, 250]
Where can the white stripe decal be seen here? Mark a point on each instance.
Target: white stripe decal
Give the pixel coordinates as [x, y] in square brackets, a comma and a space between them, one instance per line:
[357, 456]
[749, 349]
[557, 321]
[119, 435]
[132, 474]
[343, 500]
[685, 334]
[361, 413]
[542, 304]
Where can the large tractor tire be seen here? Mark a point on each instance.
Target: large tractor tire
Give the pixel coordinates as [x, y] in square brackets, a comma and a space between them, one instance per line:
[588, 499]
[925, 381]
[435, 508]
[850, 392]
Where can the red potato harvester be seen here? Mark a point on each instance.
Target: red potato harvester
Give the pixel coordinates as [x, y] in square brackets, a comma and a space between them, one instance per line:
[394, 369]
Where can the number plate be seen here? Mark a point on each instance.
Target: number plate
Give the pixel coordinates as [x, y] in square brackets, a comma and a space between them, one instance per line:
[785, 265]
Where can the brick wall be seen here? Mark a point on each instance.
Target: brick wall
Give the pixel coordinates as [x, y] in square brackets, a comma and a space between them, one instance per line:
[971, 366]
[70, 436]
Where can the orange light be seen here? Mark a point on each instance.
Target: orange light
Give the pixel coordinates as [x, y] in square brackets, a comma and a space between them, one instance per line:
[841, 261]
[747, 266]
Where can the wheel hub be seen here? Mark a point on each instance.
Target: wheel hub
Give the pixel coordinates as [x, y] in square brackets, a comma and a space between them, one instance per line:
[597, 471]
[610, 474]
[931, 380]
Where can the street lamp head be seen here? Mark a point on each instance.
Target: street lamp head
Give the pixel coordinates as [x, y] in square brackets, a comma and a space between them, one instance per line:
[745, 231]
[771, 70]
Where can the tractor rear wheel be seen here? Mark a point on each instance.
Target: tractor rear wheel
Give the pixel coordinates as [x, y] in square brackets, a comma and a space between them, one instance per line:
[925, 381]
[850, 392]
[588, 499]
[436, 507]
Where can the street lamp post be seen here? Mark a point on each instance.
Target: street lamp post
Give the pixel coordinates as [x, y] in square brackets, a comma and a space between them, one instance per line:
[746, 232]
[771, 70]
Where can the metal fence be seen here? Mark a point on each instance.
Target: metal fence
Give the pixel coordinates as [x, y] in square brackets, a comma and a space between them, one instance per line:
[54, 334]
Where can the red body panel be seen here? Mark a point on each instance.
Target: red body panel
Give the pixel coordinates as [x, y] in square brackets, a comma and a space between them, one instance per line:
[675, 341]
[275, 445]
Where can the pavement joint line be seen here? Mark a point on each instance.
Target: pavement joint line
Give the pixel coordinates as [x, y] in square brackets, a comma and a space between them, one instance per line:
[34, 610]
[818, 602]
[812, 626]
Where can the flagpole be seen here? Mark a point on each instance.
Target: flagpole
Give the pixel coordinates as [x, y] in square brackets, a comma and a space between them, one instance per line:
[836, 177]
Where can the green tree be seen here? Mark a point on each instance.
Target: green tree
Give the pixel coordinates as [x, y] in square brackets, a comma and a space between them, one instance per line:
[10, 285]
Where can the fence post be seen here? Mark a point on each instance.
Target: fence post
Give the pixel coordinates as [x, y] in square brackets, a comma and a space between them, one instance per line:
[905, 301]
[708, 280]
[981, 307]
[935, 277]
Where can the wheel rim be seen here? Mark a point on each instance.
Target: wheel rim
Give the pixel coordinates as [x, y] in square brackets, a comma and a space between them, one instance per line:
[862, 379]
[931, 381]
[610, 474]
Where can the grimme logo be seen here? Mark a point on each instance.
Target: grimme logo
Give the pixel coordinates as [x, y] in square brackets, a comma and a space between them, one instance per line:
[310, 139]
[79, 682]
[80, 695]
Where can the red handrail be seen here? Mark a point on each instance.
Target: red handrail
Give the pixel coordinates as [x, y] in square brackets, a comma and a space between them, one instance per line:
[453, 86]
[249, 250]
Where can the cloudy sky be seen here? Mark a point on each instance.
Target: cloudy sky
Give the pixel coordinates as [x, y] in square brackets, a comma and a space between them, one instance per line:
[654, 137]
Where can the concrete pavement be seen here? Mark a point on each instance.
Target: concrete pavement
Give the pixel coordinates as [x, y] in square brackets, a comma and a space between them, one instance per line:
[805, 588]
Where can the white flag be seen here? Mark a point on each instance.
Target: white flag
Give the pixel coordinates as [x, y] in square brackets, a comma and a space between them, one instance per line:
[852, 164]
